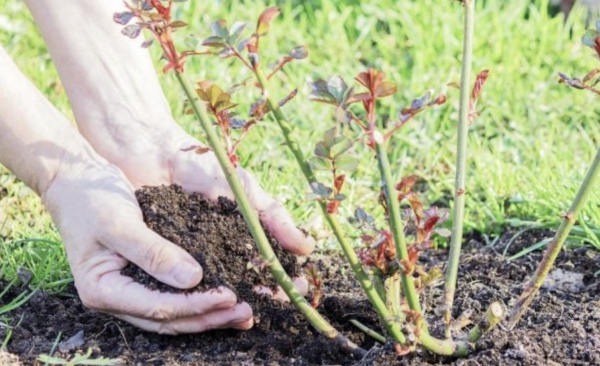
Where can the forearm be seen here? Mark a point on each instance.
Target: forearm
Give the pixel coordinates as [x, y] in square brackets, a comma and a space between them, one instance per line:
[110, 80]
[36, 140]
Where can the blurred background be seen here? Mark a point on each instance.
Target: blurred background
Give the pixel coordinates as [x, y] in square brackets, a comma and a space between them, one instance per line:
[529, 149]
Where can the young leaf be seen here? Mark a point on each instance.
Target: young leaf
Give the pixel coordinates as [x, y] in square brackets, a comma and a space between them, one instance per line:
[589, 37]
[236, 123]
[219, 29]
[236, 30]
[320, 190]
[265, 19]
[214, 41]
[319, 92]
[319, 163]
[347, 163]
[132, 31]
[147, 43]
[123, 18]
[192, 41]
[321, 150]
[341, 147]
[178, 24]
[337, 87]
[289, 97]
[299, 53]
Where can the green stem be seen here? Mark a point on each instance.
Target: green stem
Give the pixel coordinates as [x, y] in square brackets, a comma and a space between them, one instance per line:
[368, 331]
[447, 347]
[397, 228]
[392, 285]
[347, 249]
[461, 160]
[490, 319]
[253, 222]
[557, 243]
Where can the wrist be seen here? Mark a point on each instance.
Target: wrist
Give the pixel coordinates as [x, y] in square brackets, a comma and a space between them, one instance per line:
[141, 148]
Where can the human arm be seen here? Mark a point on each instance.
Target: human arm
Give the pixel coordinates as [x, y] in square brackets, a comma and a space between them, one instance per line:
[120, 108]
[95, 210]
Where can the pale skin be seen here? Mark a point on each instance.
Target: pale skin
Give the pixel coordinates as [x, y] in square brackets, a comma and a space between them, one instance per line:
[126, 137]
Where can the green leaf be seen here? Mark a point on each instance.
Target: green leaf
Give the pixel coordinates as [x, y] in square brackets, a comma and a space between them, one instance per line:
[329, 138]
[236, 30]
[341, 147]
[192, 41]
[589, 38]
[337, 87]
[178, 24]
[214, 42]
[299, 53]
[321, 150]
[132, 31]
[340, 197]
[319, 163]
[347, 163]
[321, 190]
[219, 29]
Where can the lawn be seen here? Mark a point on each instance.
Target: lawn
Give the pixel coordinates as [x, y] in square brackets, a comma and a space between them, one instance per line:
[528, 151]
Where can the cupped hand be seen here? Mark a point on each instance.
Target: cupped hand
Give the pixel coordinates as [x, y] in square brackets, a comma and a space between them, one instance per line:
[96, 212]
[166, 159]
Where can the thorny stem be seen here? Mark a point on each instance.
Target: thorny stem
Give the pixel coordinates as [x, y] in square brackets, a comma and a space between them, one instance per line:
[351, 257]
[251, 218]
[556, 245]
[459, 193]
[397, 228]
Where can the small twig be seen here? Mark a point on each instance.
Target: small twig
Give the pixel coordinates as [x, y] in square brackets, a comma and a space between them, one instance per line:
[368, 331]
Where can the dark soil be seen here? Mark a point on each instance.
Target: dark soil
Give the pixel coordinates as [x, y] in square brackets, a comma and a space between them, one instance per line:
[561, 328]
[215, 234]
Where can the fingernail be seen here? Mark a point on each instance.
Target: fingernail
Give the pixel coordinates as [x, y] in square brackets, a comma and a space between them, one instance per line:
[186, 274]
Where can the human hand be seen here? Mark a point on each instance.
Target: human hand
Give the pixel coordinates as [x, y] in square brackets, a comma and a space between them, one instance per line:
[101, 224]
[159, 158]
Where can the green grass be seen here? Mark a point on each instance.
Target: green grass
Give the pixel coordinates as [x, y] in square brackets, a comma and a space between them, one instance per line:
[529, 149]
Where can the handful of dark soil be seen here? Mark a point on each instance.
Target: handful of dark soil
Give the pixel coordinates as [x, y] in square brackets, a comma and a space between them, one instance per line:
[215, 234]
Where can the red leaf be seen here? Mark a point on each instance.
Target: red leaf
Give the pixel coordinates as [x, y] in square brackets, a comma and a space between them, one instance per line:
[339, 182]
[479, 82]
[265, 19]
[406, 184]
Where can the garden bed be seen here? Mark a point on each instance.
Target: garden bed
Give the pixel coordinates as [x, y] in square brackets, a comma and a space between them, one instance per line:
[561, 328]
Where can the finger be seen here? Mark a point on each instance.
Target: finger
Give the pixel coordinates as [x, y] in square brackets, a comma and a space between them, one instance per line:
[244, 325]
[121, 295]
[160, 258]
[200, 173]
[238, 317]
[300, 282]
[278, 220]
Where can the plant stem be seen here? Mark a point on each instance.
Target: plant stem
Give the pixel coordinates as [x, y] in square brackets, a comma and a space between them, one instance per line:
[459, 193]
[490, 319]
[447, 347]
[392, 284]
[397, 228]
[368, 331]
[251, 218]
[347, 249]
[556, 245]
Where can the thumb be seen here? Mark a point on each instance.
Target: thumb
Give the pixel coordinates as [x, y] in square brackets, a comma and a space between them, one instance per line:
[277, 219]
[160, 258]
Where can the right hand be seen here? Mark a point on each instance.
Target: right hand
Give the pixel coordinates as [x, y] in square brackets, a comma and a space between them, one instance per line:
[97, 214]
